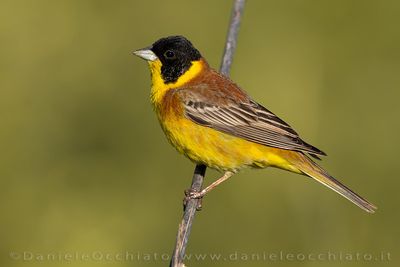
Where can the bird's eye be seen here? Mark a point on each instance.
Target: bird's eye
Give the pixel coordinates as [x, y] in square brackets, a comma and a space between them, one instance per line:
[169, 54]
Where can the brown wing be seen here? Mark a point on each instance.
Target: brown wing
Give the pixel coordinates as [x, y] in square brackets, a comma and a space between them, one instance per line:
[231, 111]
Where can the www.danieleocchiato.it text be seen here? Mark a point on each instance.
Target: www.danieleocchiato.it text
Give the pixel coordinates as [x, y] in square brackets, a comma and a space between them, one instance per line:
[331, 256]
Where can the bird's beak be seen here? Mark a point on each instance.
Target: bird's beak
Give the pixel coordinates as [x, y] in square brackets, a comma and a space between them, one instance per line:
[146, 54]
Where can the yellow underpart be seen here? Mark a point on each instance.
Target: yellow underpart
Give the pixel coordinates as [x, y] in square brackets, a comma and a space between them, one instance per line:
[159, 88]
[219, 150]
[205, 145]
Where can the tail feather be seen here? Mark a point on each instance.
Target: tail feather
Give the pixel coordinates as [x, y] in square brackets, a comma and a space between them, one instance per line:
[310, 168]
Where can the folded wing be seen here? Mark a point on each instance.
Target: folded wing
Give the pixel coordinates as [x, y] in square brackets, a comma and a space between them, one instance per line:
[245, 119]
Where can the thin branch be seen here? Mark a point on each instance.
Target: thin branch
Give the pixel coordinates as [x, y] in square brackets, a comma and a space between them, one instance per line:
[191, 205]
[186, 225]
[231, 39]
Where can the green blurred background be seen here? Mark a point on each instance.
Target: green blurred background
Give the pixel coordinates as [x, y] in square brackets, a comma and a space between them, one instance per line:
[85, 167]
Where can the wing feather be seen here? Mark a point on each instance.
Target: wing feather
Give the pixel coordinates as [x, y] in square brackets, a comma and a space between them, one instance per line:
[246, 119]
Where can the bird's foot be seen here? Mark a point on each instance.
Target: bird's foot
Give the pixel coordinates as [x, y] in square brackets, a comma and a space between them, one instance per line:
[193, 194]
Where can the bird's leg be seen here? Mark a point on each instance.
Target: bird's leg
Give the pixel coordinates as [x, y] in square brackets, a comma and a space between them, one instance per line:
[193, 194]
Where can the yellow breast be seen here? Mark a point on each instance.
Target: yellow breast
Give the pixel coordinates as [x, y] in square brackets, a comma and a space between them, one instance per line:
[203, 144]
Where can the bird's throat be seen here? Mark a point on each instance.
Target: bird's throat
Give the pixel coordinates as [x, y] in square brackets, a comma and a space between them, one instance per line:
[160, 87]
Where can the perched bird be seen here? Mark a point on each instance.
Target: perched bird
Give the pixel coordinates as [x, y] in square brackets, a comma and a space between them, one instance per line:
[212, 121]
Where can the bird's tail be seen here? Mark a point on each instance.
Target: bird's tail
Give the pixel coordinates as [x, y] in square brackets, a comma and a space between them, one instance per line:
[310, 168]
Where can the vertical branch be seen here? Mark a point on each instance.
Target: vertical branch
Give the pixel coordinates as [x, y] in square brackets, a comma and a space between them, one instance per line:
[231, 39]
[188, 216]
[190, 208]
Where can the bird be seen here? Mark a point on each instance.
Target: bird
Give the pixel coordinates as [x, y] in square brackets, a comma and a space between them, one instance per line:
[212, 121]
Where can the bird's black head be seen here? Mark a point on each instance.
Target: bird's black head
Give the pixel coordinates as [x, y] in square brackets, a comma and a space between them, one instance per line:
[176, 54]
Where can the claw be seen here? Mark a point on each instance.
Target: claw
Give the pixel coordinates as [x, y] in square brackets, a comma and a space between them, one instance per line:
[193, 194]
[199, 204]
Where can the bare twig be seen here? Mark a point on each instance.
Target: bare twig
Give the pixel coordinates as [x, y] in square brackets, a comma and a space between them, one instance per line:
[191, 205]
[231, 39]
[186, 225]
